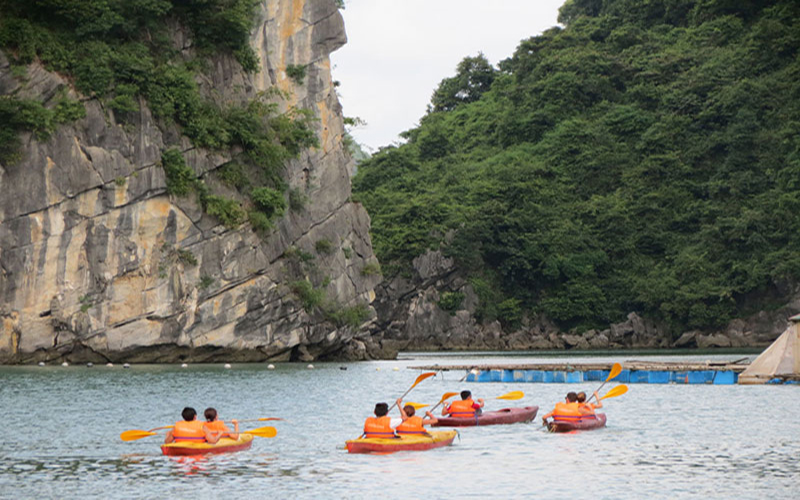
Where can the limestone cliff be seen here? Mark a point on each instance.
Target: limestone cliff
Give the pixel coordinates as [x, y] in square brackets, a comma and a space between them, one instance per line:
[98, 262]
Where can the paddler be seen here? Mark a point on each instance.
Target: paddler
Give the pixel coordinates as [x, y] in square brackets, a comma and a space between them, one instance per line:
[379, 426]
[589, 407]
[189, 429]
[566, 410]
[413, 425]
[217, 427]
[466, 408]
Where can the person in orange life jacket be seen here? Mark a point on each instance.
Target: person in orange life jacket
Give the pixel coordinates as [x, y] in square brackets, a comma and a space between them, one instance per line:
[465, 408]
[569, 410]
[411, 424]
[188, 429]
[218, 428]
[379, 426]
[589, 407]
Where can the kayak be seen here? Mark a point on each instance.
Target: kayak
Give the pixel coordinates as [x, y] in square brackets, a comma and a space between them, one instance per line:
[585, 423]
[435, 439]
[504, 416]
[224, 445]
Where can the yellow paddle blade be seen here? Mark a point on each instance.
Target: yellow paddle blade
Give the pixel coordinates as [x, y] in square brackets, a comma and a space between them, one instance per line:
[616, 391]
[447, 395]
[512, 395]
[419, 379]
[416, 406]
[422, 377]
[264, 432]
[135, 434]
[615, 370]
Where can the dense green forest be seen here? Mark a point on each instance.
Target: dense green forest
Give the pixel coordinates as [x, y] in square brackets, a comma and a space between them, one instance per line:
[645, 157]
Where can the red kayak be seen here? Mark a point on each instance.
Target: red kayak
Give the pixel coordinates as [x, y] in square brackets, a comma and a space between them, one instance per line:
[504, 416]
[586, 423]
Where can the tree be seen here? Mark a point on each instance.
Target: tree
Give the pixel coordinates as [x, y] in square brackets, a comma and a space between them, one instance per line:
[474, 76]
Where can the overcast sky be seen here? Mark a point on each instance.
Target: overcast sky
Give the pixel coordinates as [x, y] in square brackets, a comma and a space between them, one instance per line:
[399, 50]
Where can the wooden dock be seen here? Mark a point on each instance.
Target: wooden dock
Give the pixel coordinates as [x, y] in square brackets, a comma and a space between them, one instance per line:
[647, 372]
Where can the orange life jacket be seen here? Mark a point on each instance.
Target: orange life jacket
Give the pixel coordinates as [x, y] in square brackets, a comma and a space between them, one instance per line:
[378, 427]
[411, 425]
[566, 412]
[588, 416]
[462, 409]
[217, 426]
[188, 431]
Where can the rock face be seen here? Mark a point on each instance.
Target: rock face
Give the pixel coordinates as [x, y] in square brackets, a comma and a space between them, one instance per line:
[410, 318]
[98, 263]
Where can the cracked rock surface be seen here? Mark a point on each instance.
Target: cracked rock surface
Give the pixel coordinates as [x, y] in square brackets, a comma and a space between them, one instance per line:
[94, 254]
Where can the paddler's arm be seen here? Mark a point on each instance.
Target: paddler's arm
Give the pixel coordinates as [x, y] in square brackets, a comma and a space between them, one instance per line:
[168, 439]
[480, 403]
[598, 403]
[545, 417]
[211, 436]
[430, 420]
[235, 433]
[402, 411]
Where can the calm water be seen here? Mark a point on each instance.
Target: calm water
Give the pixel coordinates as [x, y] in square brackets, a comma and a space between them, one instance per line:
[662, 441]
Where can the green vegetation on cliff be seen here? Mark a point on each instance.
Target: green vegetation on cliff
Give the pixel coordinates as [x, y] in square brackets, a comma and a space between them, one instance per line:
[126, 52]
[645, 157]
[18, 115]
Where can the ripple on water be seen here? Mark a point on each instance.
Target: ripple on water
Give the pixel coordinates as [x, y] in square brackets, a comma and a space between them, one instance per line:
[661, 441]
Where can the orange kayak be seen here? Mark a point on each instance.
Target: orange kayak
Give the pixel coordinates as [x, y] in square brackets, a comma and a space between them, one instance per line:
[224, 445]
[435, 439]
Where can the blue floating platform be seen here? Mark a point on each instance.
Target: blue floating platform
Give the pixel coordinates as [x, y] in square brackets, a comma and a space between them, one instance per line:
[679, 377]
[593, 375]
[623, 377]
[701, 377]
[658, 377]
[636, 372]
[534, 376]
[725, 378]
[574, 377]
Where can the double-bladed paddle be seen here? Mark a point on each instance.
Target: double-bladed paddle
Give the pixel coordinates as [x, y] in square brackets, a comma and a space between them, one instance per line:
[264, 432]
[416, 406]
[616, 391]
[419, 379]
[513, 395]
[616, 369]
[135, 434]
[445, 397]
